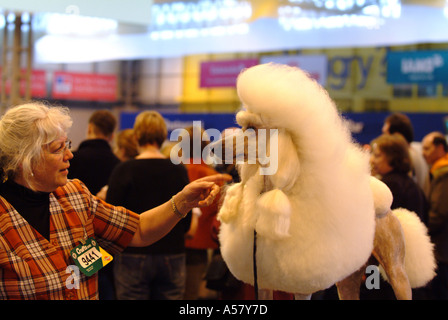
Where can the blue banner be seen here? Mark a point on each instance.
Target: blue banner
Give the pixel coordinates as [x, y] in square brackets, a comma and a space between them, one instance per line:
[365, 126]
[417, 67]
[219, 121]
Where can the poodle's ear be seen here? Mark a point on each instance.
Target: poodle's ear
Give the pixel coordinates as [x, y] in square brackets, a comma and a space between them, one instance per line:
[288, 164]
[274, 207]
[274, 214]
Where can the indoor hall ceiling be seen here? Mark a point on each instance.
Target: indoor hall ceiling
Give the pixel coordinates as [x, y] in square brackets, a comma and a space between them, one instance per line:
[268, 26]
[138, 12]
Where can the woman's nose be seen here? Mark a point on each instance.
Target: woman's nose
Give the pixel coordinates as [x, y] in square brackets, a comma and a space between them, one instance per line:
[68, 154]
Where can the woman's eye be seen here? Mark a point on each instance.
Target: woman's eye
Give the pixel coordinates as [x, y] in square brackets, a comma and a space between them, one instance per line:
[58, 149]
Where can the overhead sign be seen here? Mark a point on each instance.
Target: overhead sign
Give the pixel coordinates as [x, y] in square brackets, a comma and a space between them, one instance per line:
[84, 86]
[223, 73]
[136, 12]
[314, 65]
[417, 66]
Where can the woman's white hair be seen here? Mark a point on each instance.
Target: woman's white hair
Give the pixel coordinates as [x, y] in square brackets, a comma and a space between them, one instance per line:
[24, 130]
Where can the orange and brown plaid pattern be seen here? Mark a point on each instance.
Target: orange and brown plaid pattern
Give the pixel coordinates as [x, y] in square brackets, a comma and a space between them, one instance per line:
[32, 267]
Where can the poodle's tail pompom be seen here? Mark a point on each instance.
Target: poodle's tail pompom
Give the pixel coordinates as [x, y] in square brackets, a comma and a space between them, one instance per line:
[274, 210]
[231, 202]
[420, 262]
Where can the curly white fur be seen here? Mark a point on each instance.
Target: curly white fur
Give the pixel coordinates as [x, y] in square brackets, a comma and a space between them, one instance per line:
[315, 217]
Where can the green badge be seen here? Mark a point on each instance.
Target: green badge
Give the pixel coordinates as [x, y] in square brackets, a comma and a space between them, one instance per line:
[90, 257]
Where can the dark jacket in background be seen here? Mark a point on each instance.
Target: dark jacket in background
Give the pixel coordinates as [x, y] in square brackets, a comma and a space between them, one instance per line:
[438, 213]
[93, 163]
[407, 194]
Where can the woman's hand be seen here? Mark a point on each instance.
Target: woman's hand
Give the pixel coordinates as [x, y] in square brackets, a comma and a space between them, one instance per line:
[200, 193]
[157, 222]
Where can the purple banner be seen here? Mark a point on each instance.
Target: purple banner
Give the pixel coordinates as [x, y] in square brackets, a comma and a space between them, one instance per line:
[223, 73]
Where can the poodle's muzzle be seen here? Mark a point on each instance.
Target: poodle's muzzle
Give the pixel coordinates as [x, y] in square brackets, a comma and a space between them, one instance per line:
[248, 146]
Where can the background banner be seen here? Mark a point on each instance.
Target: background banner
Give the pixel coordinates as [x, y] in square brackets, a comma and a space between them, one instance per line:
[315, 65]
[84, 86]
[223, 73]
[364, 126]
[417, 66]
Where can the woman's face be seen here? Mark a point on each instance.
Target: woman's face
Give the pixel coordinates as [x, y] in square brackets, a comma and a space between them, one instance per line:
[379, 162]
[52, 172]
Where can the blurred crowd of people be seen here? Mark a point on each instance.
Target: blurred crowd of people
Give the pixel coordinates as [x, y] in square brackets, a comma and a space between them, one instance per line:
[132, 168]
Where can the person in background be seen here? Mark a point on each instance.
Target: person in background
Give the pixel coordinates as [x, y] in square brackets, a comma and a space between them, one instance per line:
[155, 272]
[400, 123]
[93, 163]
[125, 145]
[200, 243]
[391, 163]
[94, 160]
[125, 149]
[435, 151]
[45, 216]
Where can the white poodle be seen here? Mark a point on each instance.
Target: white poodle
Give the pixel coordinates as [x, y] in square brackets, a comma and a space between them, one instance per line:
[319, 216]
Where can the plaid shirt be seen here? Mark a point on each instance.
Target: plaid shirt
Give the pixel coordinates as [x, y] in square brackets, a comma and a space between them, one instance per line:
[31, 267]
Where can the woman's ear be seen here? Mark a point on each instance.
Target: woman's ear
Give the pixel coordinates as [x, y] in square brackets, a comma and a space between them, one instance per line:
[90, 130]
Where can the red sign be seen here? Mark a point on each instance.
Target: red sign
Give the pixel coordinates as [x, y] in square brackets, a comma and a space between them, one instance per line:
[84, 86]
[37, 82]
[223, 73]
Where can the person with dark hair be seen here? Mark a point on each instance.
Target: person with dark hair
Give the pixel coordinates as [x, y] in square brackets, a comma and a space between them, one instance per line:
[400, 123]
[435, 151]
[94, 160]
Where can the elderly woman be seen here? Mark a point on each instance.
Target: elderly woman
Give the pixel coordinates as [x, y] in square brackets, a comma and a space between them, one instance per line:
[47, 220]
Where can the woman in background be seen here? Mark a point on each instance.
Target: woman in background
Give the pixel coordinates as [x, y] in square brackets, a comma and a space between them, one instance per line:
[156, 271]
[391, 163]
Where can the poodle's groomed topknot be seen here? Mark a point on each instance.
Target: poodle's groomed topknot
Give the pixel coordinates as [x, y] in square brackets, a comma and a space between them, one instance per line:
[287, 97]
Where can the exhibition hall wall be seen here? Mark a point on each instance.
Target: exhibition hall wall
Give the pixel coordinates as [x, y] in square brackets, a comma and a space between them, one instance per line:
[359, 80]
